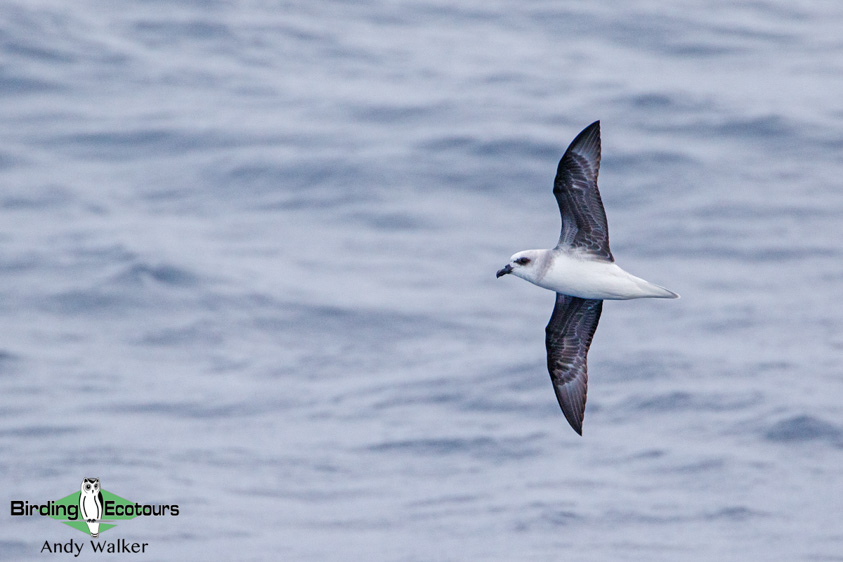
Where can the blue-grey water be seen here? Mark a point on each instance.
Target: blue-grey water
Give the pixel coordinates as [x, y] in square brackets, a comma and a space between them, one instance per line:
[247, 257]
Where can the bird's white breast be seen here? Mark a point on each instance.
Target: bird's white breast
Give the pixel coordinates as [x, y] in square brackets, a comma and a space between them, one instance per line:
[591, 279]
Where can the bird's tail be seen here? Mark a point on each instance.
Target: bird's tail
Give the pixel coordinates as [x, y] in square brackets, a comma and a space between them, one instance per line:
[656, 291]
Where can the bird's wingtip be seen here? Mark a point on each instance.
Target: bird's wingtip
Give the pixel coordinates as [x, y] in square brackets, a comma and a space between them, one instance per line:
[574, 414]
[587, 144]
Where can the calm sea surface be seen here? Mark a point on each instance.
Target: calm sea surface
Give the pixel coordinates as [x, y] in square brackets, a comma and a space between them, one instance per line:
[247, 258]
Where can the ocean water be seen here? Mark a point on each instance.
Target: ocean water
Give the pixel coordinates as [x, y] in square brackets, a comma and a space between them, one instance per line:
[247, 258]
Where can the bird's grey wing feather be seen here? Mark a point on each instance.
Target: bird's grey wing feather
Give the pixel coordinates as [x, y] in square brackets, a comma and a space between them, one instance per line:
[584, 226]
[569, 335]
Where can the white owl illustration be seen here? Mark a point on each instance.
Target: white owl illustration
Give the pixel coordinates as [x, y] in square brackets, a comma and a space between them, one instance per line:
[90, 504]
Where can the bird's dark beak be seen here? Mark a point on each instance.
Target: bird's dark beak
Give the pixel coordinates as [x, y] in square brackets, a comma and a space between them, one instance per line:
[501, 272]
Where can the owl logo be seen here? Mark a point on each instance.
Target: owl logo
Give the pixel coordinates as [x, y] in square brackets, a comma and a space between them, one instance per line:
[90, 504]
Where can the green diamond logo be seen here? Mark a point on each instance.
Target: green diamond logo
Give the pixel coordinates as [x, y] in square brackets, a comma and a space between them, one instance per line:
[112, 505]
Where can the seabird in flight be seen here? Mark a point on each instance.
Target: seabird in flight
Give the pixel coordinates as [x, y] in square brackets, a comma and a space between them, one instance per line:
[580, 270]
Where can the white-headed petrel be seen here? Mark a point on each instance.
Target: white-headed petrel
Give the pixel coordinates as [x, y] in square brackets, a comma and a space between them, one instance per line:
[582, 272]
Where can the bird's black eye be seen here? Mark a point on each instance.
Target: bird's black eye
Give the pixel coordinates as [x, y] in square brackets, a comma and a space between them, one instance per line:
[522, 261]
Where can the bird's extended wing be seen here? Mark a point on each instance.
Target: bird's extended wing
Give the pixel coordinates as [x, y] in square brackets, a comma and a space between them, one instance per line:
[584, 226]
[569, 335]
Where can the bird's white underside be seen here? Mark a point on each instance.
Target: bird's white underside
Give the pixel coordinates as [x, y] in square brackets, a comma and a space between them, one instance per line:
[579, 276]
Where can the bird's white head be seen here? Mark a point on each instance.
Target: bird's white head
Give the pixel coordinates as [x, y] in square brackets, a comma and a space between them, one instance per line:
[529, 265]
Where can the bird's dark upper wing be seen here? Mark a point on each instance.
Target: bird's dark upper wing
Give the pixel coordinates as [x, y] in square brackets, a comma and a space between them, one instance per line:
[584, 224]
[569, 334]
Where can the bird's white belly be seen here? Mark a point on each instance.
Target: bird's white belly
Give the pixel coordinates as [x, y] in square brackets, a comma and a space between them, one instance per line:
[589, 279]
